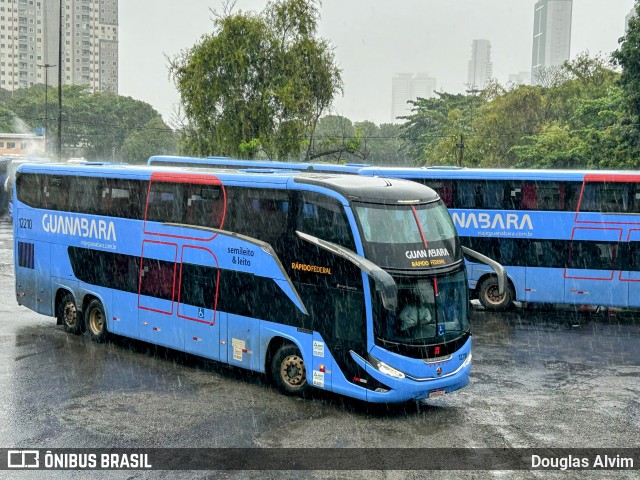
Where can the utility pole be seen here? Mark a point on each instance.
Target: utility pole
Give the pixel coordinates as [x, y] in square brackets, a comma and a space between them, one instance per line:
[460, 146]
[472, 91]
[60, 81]
[46, 67]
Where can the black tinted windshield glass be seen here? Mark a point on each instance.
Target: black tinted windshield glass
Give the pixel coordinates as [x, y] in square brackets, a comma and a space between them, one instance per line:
[408, 236]
[430, 310]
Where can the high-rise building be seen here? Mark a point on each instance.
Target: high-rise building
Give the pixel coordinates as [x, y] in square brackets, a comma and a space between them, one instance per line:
[406, 87]
[423, 85]
[551, 35]
[480, 65]
[29, 39]
[520, 78]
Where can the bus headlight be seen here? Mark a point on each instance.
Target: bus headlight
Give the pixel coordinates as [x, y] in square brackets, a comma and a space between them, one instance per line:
[467, 360]
[385, 369]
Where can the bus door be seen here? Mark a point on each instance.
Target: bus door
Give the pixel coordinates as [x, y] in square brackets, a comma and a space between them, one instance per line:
[632, 274]
[157, 307]
[33, 281]
[198, 287]
[590, 267]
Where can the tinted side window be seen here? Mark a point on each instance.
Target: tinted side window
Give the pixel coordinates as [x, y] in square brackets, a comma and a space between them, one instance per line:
[105, 269]
[114, 197]
[444, 188]
[512, 195]
[521, 252]
[631, 257]
[187, 203]
[610, 197]
[124, 198]
[325, 218]
[198, 285]
[29, 189]
[165, 202]
[87, 194]
[157, 278]
[55, 192]
[592, 255]
[258, 213]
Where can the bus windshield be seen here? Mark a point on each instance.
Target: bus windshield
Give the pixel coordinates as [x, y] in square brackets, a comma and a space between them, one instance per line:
[408, 236]
[430, 310]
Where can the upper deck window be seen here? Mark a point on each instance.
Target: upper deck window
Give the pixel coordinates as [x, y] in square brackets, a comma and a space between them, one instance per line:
[187, 203]
[112, 197]
[507, 194]
[610, 197]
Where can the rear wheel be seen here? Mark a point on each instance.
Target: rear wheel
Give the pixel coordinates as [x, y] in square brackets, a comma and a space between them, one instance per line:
[288, 370]
[491, 299]
[96, 321]
[67, 314]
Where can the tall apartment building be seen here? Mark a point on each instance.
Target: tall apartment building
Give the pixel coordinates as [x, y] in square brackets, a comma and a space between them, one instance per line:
[480, 65]
[520, 78]
[551, 35]
[29, 39]
[407, 86]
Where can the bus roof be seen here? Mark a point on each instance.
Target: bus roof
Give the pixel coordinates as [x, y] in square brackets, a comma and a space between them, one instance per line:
[352, 187]
[226, 162]
[487, 173]
[430, 172]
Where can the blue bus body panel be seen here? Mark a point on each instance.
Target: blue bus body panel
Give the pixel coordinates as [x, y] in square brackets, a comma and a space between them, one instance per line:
[544, 285]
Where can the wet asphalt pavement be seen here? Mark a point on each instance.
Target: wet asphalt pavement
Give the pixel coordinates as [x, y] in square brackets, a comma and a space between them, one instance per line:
[539, 379]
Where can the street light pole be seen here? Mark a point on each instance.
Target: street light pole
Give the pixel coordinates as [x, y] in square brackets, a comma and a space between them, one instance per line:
[60, 81]
[46, 67]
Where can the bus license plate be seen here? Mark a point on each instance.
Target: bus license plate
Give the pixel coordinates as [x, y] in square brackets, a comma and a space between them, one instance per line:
[437, 393]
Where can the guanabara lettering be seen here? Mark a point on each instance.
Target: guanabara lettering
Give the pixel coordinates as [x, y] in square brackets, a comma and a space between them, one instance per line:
[79, 226]
[431, 253]
[509, 221]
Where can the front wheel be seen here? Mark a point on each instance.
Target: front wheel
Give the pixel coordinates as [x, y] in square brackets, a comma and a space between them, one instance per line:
[96, 321]
[288, 371]
[491, 299]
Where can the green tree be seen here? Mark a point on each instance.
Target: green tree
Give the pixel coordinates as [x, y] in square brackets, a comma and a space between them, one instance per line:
[94, 125]
[554, 147]
[152, 139]
[502, 123]
[335, 140]
[436, 132]
[382, 145]
[7, 121]
[258, 84]
[628, 57]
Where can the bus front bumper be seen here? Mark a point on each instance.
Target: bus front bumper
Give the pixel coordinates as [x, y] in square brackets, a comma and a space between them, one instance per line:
[407, 388]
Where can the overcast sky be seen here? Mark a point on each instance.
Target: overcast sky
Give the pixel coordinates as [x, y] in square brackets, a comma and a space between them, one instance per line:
[373, 40]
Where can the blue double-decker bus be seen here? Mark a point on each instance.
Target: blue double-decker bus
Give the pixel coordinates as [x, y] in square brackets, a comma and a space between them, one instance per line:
[564, 236]
[350, 284]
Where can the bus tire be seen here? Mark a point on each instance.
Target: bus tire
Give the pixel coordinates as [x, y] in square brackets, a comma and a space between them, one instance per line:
[67, 314]
[489, 297]
[288, 370]
[96, 321]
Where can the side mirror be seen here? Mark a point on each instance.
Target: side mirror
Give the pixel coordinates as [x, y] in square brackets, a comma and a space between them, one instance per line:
[499, 269]
[385, 284]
